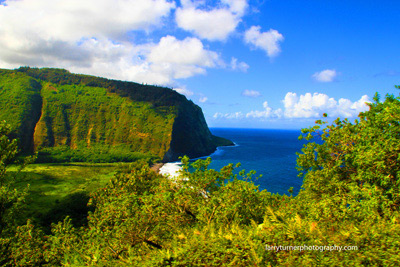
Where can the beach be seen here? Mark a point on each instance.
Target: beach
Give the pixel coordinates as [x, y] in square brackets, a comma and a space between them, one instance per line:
[171, 169]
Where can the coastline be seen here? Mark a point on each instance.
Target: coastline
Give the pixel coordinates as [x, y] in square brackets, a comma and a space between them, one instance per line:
[172, 168]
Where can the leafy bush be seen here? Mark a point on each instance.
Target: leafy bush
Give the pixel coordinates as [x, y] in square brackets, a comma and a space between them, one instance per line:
[74, 206]
[11, 200]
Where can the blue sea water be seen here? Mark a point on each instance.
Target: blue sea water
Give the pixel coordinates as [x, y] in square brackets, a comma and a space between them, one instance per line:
[271, 153]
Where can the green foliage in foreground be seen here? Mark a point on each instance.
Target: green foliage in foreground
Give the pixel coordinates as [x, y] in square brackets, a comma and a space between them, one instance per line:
[350, 197]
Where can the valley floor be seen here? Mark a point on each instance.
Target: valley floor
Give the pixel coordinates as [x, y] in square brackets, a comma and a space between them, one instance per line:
[52, 185]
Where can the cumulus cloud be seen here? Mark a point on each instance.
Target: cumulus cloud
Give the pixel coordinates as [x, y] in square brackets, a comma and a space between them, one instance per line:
[305, 106]
[267, 41]
[325, 76]
[91, 37]
[74, 19]
[212, 24]
[157, 63]
[251, 93]
[236, 6]
[181, 59]
[266, 113]
[240, 66]
[314, 105]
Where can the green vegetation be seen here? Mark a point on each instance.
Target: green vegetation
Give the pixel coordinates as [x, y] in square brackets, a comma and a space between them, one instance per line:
[96, 154]
[81, 117]
[71, 116]
[222, 141]
[52, 186]
[350, 197]
[67, 117]
[20, 105]
[11, 200]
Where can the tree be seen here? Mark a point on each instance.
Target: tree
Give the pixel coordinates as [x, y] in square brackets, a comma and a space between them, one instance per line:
[10, 199]
[356, 167]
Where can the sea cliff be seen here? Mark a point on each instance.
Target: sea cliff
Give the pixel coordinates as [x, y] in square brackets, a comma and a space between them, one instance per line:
[53, 111]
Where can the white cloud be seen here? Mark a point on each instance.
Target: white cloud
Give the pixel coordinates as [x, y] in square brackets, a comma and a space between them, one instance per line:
[86, 37]
[325, 75]
[240, 66]
[304, 106]
[190, 51]
[236, 6]
[190, 94]
[267, 41]
[91, 37]
[184, 91]
[236, 115]
[161, 63]
[212, 24]
[314, 105]
[360, 104]
[74, 19]
[203, 99]
[251, 93]
[181, 59]
[266, 113]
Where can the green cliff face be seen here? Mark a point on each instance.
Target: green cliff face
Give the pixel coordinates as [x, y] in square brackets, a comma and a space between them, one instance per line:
[82, 117]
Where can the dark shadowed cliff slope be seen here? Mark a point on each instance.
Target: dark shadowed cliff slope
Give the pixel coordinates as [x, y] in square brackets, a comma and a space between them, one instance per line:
[55, 112]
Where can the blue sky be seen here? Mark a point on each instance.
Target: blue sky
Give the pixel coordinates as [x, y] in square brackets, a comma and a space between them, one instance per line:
[254, 64]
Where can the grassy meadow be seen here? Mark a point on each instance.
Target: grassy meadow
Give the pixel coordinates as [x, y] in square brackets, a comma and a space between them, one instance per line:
[55, 190]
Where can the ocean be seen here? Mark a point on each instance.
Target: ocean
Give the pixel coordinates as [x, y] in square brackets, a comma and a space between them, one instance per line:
[271, 153]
